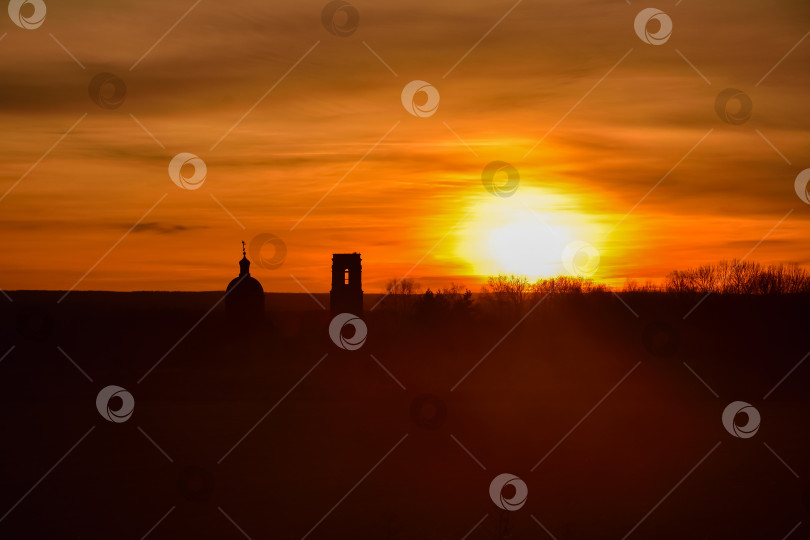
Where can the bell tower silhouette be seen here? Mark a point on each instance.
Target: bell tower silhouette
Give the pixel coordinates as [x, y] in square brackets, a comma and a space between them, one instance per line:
[346, 295]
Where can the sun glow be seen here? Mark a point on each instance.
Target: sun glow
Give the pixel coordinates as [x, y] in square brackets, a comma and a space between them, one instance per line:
[526, 234]
[527, 246]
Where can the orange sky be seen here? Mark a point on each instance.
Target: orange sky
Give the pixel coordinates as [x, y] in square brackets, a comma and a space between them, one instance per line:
[417, 196]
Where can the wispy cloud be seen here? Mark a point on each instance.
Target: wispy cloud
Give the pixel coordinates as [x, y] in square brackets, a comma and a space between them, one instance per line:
[314, 126]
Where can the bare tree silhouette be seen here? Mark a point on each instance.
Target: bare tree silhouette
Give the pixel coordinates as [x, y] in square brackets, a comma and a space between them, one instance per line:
[740, 277]
[400, 296]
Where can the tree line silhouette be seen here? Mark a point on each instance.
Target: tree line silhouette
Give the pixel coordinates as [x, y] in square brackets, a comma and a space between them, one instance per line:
[740, 277]
[512, 293]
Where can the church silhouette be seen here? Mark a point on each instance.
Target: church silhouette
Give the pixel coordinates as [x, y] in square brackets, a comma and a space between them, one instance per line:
[244, 300]
[244, 296]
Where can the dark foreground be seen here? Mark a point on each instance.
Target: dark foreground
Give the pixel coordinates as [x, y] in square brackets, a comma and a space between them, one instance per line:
[612, 421]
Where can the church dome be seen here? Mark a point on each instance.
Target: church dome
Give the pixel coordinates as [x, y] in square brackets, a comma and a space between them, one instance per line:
[248, 284]
[244, 298]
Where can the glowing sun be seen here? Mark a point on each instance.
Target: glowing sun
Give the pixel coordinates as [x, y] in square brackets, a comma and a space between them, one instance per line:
[526, 234]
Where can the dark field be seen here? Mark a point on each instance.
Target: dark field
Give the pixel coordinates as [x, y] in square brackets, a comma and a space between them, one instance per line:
[602, 414]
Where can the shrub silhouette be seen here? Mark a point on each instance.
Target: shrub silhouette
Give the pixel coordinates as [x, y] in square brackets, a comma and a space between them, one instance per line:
[453, 303]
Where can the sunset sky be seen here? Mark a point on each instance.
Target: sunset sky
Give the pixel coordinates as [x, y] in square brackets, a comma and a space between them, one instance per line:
[590, 115]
